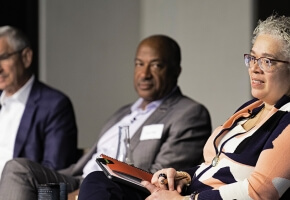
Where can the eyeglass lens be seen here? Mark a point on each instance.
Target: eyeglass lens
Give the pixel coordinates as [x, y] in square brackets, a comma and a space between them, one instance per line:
[264, 63]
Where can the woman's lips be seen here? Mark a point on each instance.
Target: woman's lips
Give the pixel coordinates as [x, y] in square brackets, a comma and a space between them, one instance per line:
[257, 82]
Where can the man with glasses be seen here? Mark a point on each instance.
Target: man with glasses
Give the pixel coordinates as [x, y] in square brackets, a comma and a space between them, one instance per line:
[36, 121]
[167, 129]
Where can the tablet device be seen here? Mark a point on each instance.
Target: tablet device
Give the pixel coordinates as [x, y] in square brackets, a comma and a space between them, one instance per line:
[123, 172]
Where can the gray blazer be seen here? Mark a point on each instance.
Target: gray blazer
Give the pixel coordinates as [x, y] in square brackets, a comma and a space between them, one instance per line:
[187, 127]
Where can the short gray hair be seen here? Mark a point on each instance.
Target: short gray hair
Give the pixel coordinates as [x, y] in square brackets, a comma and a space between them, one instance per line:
[278, 27]
[15, 38]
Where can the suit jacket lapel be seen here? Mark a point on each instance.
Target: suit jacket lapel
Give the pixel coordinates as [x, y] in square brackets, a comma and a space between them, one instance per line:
[78, 167]
[115, 119]
[27, 119]
[157, 115]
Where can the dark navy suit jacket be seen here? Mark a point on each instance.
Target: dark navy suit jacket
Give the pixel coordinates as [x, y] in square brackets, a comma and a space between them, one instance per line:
[47, 132]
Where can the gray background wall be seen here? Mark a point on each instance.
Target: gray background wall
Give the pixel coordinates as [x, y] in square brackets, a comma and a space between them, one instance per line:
[87, 50]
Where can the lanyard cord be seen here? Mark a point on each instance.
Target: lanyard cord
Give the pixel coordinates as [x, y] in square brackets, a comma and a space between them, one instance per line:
[218, 152]
[253, 114]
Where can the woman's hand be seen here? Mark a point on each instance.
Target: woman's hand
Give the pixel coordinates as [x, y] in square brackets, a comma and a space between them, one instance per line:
[161, 194]
[175, 180]
[157, 179]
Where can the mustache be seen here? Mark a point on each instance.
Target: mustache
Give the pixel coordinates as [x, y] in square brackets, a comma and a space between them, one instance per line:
[146, 81]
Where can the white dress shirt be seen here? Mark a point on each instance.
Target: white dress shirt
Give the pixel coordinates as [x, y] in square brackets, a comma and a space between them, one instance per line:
[10, 116]
[108, 143]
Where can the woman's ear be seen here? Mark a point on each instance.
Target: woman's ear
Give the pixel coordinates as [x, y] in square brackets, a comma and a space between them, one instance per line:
[26, 57]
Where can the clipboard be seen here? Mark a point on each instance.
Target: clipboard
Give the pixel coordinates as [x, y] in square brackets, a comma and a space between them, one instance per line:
[122, 172]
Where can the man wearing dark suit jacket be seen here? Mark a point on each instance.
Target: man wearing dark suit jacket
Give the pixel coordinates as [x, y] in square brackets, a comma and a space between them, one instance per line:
[167, 128]
[36, 121]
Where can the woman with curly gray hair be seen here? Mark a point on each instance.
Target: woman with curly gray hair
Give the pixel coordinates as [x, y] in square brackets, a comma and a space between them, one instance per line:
[248, 157]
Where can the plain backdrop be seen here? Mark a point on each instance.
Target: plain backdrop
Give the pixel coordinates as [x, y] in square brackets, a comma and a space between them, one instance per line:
[87, 50]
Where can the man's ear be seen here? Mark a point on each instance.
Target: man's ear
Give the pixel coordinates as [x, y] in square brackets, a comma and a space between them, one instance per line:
[26, 57]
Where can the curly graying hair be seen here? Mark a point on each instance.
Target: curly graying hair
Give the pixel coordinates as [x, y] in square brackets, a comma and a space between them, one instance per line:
[15, 38]
[278, 27]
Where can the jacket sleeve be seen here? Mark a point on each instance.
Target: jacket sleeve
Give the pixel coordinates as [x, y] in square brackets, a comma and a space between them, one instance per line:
[186, 132]
[60, 132]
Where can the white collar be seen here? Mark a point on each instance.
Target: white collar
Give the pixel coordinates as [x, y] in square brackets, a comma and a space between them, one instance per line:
[20, 95]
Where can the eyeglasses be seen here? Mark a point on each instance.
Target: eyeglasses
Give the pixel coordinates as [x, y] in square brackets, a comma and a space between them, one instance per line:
[264, 63]
[7, 55]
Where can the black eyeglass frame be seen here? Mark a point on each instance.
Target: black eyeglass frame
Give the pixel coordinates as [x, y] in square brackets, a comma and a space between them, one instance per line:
[6, 56]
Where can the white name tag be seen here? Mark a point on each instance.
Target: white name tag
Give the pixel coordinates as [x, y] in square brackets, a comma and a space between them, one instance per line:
[153, 131]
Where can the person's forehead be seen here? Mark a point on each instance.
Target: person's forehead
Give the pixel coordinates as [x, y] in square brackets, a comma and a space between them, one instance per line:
[267, 44]
[153, 50]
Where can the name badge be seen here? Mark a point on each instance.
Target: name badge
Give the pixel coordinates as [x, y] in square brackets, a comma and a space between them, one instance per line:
[150, 132]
